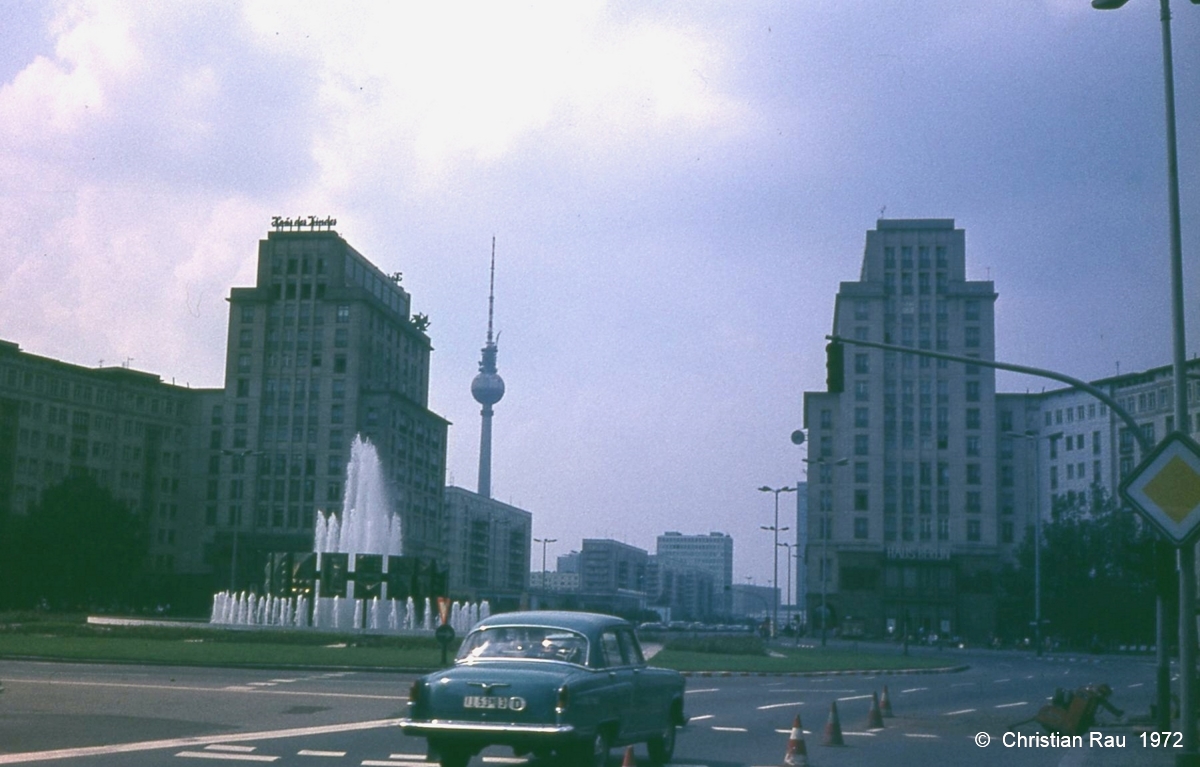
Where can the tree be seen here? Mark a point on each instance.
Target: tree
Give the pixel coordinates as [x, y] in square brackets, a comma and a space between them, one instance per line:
[1098, 568]
[79, 547]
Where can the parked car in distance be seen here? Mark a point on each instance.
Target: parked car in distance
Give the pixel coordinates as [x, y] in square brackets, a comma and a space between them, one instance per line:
[548, 683]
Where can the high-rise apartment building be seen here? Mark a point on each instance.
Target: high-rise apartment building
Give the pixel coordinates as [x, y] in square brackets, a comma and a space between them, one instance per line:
[128, 429]
[712, 554]
[902, 466]
[322, 348]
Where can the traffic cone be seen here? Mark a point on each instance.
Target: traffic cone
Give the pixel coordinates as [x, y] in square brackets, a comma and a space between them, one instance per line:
[833, 728]
[629, 761]
[885, 704]
[874, 719]
[797, 752]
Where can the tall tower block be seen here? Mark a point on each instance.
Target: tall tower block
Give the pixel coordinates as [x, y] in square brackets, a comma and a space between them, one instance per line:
[488, 389]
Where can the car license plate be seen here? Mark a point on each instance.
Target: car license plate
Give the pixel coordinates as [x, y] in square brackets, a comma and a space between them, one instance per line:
[513, 703]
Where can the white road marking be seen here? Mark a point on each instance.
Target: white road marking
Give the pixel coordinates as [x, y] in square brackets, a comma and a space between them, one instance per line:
[701, 718]
[963, 711]
[729, 729]
[1139, 684]
[859, 734]
[307, 752]
[505, 760]
[222, 755]
[854, 697]
[205, 740]
[779, 705]
[914, 689]
[1013, 705]
[380, 763]
[921, 735]
[402, 757]
[230, 688]
[708, 689]
[233, 749]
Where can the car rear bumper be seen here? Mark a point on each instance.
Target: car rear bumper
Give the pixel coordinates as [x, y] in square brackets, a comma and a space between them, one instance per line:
[503, 730]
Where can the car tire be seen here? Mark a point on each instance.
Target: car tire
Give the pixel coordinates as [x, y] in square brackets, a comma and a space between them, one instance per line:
[590, 753]
[662, 747]
[453, 757]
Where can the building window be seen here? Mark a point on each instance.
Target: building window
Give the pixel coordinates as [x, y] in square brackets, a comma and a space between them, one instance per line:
[974, 420]
[861, 529]
[343, 313]
[973, 443]
[862, 444]
[862, 365]
[862, 418]
[974, 529]
[862, 472]
[861, 500]
[974, 502]
[1006, 532]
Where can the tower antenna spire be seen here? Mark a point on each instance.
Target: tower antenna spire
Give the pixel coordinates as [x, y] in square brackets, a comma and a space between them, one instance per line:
[492, 290]
[488, 388]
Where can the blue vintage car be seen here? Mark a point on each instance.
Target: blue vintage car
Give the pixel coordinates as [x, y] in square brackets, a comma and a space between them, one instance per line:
[565, 683]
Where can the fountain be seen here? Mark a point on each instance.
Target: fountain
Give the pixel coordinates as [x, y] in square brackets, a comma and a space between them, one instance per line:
[356, 574]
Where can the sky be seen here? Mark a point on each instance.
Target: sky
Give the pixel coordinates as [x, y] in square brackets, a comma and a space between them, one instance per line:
[676, 190]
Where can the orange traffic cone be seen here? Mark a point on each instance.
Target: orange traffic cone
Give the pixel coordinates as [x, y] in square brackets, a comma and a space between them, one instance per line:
[885, 704]
[797, 752]
[629, 761]
[874, 719]
[833, 728]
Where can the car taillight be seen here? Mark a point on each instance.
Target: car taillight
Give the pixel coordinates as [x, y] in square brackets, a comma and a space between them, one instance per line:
[564, 698]
[414, 693]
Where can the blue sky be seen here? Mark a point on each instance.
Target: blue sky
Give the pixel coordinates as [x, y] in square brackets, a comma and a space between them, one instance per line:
[676, 190]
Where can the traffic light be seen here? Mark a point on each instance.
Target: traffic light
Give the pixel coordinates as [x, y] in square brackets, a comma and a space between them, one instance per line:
[835, 374]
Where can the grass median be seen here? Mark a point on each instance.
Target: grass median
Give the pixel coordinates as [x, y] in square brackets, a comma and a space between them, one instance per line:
[72, 638]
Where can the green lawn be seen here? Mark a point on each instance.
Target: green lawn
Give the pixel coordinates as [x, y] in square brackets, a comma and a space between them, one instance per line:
[72, 638]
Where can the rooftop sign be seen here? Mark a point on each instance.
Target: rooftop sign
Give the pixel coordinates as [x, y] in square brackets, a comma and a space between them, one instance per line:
[311, 223]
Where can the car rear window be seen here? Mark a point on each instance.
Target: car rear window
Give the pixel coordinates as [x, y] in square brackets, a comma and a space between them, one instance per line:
[525, 643]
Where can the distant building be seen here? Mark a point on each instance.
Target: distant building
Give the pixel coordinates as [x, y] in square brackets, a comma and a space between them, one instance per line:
[489, 547]
[612, 576]
[711, 554]
[568, 563]
[136, 435]
[563, 583]
[758, 602]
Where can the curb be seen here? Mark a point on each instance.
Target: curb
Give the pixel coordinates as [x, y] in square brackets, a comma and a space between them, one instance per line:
[854, 672]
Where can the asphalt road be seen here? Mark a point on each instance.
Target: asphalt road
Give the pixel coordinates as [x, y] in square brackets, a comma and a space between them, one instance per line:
[77, 714]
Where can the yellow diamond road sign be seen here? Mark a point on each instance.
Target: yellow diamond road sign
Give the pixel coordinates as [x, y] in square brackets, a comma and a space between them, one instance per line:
[1165, 488]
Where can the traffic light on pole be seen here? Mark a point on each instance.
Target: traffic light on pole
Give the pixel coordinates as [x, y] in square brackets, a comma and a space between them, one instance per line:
[835, 374]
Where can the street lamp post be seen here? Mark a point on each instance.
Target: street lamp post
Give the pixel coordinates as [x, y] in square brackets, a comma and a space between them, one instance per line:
[236, 519]
[776, 529]
[825, 532]
[788, 546]
[544, 541]
[1186, 553]
[1032, 437]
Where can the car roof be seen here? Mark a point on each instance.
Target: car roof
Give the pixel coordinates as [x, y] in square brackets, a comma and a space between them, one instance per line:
[564, 619]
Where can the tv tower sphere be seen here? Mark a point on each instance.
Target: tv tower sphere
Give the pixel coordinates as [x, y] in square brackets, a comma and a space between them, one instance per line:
[487, 388]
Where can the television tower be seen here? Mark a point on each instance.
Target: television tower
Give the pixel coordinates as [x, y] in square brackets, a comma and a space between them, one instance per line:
[488, 389]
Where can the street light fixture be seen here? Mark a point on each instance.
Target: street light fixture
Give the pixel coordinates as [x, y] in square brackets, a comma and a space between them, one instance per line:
[544, 541]
[1186, 554]
[775, 529]
[825, 532]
